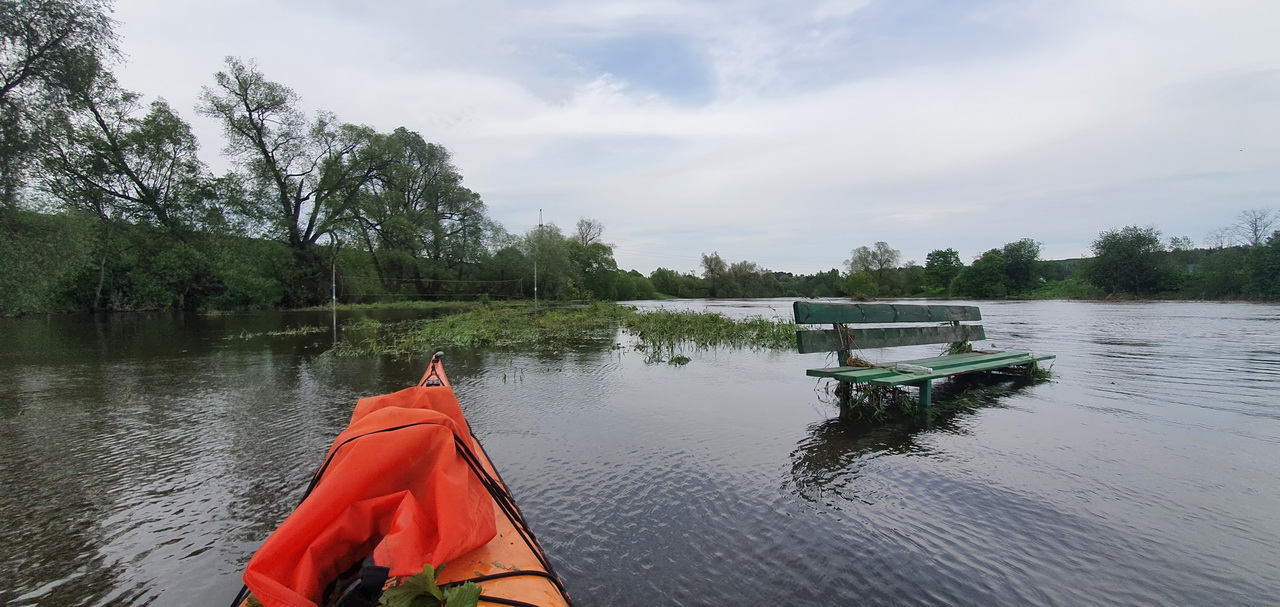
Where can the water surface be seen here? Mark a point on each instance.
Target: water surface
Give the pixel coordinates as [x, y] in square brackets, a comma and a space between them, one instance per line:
[146, 456]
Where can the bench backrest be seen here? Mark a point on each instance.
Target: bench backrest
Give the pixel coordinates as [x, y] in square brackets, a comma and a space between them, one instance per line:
[841, 338]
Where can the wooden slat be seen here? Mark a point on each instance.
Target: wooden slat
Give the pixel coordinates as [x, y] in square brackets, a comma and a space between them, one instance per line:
[817, 313]
[980, 365]
[808, 342]
[934, 362]
[833, 371]
[938, 364]
[864, 374]
[948, 358]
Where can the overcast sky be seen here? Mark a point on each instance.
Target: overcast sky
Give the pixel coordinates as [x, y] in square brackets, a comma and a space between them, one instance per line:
[784, 133]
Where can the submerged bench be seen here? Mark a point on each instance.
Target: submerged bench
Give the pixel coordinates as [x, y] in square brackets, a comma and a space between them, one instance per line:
[911, 325]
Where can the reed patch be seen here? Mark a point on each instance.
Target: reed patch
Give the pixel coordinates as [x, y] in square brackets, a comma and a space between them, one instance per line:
[662, 335]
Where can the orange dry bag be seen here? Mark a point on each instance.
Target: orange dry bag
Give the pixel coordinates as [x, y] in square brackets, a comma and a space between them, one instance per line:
[393, 486]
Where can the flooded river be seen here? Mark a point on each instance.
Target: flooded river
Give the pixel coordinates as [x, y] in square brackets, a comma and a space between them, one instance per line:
[146, 456]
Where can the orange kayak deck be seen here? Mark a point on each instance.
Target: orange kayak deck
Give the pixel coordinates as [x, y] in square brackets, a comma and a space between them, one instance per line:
[506, 554]
[511, 568]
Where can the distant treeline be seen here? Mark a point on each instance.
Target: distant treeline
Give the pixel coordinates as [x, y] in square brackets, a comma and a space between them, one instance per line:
[1238, 261]
[75, 261]
[72, 261]
[104, 205]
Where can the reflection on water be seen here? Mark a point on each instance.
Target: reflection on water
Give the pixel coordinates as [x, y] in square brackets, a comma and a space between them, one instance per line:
[146, 456]
[827, 461]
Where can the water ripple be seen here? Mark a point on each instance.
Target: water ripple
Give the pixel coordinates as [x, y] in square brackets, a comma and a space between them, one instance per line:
[146, 459]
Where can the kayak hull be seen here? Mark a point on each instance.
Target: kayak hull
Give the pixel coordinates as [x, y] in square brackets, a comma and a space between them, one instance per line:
[447, 516]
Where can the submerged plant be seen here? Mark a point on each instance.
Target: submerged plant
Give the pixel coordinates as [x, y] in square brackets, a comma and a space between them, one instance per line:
[1039, 373]
[492, 327]
[290, 332]
[661, 335]
[669, 331]
[876, 402]
[362, 323]
[394, 305]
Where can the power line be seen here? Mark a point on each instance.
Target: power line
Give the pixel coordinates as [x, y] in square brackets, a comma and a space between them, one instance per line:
[351, 296]
[441, 280]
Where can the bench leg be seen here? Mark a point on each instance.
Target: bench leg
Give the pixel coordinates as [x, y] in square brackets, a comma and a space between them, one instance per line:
[926, 393]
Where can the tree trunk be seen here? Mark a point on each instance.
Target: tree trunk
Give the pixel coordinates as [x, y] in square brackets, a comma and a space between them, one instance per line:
[102, 266]
[417, 281]
[434, 284]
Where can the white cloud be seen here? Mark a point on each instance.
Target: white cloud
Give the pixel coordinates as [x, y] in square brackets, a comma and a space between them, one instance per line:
[837, 8]
[1016, 120]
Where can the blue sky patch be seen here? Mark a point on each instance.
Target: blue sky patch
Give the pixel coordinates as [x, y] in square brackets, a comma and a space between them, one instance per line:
[665, 63]
[889, 37]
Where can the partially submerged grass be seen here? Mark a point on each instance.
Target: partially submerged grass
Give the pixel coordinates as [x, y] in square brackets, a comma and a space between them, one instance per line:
[1039, 373]
[669, 332]
[498, 328]
[865, 401]
[399, 305]
[291, 331]
[661, 334]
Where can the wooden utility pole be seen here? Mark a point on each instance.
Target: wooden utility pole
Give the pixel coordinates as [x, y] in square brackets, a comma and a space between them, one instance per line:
[537, 236]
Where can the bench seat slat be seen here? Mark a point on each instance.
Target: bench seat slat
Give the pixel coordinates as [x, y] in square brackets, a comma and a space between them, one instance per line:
[939, 365]
[821, 313]
[828, 340]
[899, 379]
[932, 361]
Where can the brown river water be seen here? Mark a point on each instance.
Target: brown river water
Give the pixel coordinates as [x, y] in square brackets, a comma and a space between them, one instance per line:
[147, 455]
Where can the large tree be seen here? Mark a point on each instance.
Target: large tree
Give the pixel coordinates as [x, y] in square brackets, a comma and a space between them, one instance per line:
[1021, 264]
[878, 262]
[666, 281]
[750, 280]
[464, 234]
[941, 266]
[108, 157]
[594, 269]
[716, 272]
[1263, 265]
[1128, 260]
[43, 43]
[416, 219]
[546, 246]
[738, 279]
[307, 173]
[588, 231]
[986, 277]
[1254, 226]
[102, 154]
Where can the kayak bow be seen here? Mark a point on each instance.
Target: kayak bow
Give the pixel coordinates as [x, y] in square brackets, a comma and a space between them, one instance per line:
[406, 485]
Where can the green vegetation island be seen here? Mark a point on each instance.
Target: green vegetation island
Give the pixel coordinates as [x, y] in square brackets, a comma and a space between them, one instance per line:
[105, 206]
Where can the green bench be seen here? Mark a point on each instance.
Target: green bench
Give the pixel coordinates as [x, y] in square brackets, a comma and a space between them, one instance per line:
[908, 325]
